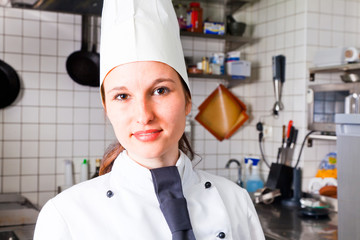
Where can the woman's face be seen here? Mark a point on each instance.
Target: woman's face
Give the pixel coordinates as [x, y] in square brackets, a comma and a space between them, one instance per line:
[145, 103]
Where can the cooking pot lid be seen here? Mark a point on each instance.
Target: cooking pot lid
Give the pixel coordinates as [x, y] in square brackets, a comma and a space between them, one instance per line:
[10, 84]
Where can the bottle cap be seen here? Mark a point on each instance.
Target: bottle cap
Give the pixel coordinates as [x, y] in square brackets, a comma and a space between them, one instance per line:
[194, 4]
[254, 161]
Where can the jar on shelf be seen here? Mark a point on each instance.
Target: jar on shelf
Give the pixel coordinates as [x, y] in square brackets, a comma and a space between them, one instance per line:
[181, 14]
[194, 20]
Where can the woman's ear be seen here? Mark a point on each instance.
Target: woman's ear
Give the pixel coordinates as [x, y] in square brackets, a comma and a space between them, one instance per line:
[102, 93]
[188, 107]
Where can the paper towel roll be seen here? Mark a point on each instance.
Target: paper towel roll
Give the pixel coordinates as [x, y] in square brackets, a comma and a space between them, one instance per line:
[351, 54]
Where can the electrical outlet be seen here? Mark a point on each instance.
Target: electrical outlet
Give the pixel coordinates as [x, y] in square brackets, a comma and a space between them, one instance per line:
[267, 130]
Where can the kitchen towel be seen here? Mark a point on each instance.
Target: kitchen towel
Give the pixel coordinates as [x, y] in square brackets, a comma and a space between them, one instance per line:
[168, 189]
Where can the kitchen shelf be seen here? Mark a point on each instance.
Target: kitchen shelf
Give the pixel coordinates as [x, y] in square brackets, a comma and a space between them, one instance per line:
[328, 69]
[226, 37]
[231, 42]
[320, 137]
[209, 76]
[232, 3]
[236, 40]
[323, 137]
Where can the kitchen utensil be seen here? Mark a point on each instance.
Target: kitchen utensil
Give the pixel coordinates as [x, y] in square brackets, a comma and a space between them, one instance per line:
[297, 194]
[230, 19]
[350, 77]
[10, 84]
[278, 64]
[352, 103]
[266, 195]
[280, 177]
[91, 7]
[236, 28]
[285, 147]
[84, 66]
[314, 212]
[233, 27]
[222, 113]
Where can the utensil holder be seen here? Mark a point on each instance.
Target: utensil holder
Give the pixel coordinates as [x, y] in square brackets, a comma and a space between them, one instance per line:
[280, 177]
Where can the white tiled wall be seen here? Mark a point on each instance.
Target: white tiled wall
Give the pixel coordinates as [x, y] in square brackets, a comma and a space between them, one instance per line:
[297, 29]
[333, 23]
[55, 119]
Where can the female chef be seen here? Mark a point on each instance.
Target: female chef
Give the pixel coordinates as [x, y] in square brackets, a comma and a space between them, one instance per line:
[149, 190]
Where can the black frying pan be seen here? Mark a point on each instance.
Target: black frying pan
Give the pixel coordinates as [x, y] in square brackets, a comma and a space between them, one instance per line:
[84, 66]
[9, 84]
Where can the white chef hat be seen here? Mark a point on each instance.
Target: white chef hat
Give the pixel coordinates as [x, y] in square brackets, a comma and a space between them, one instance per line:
[140, 30]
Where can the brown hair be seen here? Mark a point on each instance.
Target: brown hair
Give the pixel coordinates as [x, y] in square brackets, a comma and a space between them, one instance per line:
[115, 149]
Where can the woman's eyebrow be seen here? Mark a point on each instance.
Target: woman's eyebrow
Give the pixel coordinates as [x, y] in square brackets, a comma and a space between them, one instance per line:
[118, 88]
[161, 80]
[155, 82]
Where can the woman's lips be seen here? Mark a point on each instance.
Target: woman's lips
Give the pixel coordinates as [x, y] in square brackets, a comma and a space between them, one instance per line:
[148, 135]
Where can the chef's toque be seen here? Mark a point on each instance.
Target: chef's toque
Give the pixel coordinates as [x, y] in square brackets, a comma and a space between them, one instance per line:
[140, 30]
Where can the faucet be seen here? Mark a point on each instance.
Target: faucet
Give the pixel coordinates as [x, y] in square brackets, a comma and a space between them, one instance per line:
[238, 182]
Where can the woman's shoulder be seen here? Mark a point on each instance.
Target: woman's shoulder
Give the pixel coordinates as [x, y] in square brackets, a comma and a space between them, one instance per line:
[223, 184]
[216, 178]
[84, 190]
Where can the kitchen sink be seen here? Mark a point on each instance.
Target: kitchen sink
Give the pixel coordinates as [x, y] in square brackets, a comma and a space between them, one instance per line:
[16, 210]
[8, 235]
[17, 217]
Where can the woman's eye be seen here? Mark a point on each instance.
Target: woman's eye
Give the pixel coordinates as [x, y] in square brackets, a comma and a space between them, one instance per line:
[122, 96]
[161, 91]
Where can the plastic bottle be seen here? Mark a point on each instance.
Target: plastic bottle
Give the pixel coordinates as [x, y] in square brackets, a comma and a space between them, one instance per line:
[194, 22]
[68, 174]
[84, 171]
[254, 181]
[247, 171]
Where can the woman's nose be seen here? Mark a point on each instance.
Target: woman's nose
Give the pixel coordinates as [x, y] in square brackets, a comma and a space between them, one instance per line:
[145, 112]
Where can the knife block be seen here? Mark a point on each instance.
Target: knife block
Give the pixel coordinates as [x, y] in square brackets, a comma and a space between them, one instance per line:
[280, 177]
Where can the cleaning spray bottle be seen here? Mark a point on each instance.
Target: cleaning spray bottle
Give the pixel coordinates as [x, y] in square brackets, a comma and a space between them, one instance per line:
[254, 181]
[247, 171]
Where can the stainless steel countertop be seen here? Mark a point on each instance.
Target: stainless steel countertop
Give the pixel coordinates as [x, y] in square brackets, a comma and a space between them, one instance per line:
[22, 232]
[281, 222]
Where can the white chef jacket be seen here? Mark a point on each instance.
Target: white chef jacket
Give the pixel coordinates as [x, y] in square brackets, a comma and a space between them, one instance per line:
[122, 204]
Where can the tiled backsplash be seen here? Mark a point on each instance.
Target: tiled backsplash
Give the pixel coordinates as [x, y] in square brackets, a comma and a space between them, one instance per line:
[297, 29]
[55, 119]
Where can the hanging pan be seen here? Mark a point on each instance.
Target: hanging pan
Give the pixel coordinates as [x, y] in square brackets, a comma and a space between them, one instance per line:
[10, 84]
[83, 66]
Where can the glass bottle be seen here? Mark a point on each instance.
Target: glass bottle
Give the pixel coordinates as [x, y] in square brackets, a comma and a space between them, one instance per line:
[181, 14]
[97, 168]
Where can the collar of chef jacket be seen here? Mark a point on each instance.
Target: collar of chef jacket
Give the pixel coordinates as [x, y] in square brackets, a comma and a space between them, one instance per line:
[129, 174]
[203, 203]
